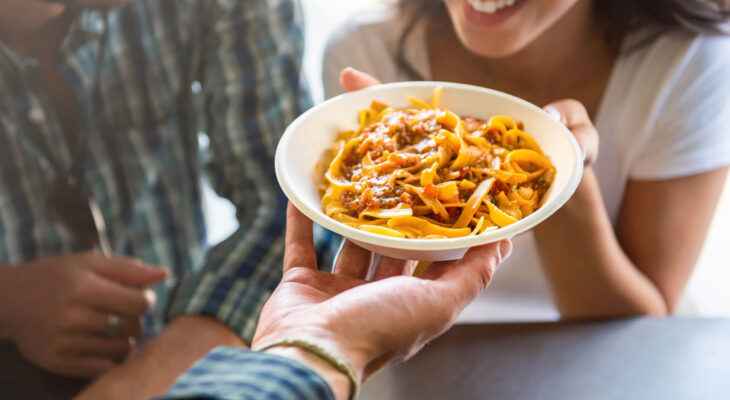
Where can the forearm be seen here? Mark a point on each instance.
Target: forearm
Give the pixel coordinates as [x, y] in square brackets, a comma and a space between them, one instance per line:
[151, 371]
[589, 272]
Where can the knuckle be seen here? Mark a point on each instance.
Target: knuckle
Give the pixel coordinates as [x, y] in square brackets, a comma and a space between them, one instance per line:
[139, 305]
[298, 274]
[70, 319]
[574, 104]
[485, 277]
[81, 290]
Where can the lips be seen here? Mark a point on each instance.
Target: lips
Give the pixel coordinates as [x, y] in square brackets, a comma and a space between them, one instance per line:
[490, 13]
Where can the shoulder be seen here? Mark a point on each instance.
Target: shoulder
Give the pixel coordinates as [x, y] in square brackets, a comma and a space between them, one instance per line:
[375, 28]
[699, 78]
[682, 54]
[677, 71]
[708, 58]
[691, 112]
[366, 40]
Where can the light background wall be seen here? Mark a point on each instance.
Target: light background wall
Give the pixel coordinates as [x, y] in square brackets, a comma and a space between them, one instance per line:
[709, 286]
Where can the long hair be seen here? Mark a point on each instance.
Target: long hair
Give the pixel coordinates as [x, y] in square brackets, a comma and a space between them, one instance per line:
[708, 17]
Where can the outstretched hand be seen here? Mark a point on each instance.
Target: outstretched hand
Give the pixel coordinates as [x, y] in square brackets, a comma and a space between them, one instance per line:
[370, 322]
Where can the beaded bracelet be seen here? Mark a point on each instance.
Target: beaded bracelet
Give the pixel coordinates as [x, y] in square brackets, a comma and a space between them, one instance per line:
[332, 357]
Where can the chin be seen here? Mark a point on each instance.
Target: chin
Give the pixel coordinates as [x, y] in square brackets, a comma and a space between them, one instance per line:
[491, 45]
[501, 28]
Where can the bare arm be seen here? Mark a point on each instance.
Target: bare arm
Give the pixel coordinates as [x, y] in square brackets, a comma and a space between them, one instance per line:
[663, 224]
[151, 371]
[642, 267]
[589, 273]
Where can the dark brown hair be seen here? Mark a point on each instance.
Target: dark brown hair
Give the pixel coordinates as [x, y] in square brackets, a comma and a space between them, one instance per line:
[710, 17]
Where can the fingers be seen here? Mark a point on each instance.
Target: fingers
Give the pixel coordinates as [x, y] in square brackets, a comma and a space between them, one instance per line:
[127, 271]
[37, 13]
[353, 261]
[299, 244]
[89, 321]
[108, 296]
[575, 117]
[471, 275]
[393, 267]
[352, 80]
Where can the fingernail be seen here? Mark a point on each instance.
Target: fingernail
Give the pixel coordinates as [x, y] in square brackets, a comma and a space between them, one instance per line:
[554, 113]
[505, 249]
[150, 296]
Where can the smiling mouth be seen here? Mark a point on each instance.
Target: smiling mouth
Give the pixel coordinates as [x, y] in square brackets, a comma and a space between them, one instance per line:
[491, 6]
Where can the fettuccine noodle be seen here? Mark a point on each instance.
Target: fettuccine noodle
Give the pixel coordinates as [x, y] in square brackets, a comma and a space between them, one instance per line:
[426, 173]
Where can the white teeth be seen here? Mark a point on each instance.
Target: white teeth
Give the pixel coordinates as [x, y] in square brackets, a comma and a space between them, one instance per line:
[491, 6]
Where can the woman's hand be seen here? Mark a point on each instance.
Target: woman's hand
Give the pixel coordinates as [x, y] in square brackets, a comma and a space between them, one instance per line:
[371, 323]
[575, 117]
[352, 80]
[58, 308]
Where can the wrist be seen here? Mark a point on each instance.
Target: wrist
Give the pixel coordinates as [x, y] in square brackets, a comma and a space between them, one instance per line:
[337, 380]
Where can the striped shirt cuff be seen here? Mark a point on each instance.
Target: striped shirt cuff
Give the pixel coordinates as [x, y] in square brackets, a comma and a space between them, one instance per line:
[229, 373]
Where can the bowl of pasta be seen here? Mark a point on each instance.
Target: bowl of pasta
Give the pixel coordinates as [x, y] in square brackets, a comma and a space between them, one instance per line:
[426, 170]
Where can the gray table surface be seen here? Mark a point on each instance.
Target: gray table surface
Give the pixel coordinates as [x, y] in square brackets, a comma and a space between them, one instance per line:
[643, 358]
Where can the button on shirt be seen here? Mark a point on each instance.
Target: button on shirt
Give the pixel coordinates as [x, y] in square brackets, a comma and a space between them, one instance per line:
[143, 165]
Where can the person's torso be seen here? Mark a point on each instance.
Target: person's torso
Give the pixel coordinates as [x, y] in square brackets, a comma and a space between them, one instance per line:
[629, 105]
[141, 159]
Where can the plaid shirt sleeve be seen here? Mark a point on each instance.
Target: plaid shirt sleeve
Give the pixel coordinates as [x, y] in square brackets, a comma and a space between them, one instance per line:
[252, 88]
[229, 373]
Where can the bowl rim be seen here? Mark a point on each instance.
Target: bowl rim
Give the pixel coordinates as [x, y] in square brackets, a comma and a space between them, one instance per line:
[523, 225]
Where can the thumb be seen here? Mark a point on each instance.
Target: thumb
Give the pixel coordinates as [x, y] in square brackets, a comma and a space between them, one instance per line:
[299, 242]
[352, 80]
[128, 271]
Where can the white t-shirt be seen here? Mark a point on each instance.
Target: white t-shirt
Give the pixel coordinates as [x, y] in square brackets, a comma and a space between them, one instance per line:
[665, 114]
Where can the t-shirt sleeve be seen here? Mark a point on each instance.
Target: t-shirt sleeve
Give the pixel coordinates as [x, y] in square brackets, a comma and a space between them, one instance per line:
[692, 130]
[336, 58]
[366, 42]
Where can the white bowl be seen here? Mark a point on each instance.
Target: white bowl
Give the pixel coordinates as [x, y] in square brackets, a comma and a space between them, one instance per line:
[299, 154]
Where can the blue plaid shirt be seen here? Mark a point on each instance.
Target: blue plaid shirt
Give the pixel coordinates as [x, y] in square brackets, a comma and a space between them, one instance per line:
[144, 164]
[229, 373]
